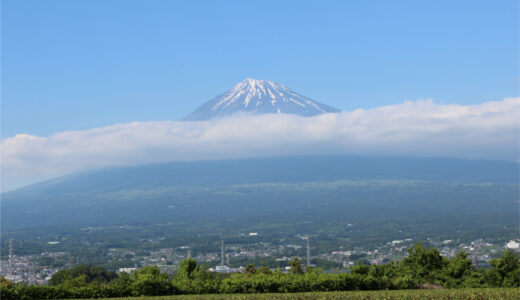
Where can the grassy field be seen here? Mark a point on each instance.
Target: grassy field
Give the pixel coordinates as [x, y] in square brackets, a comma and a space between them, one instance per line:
[456, 294]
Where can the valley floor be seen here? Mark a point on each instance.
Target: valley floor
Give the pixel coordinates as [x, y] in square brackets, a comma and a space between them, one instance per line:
[447, 294]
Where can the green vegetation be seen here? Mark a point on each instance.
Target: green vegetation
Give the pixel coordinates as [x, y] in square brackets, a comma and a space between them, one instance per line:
[458, 294]
[82, 274]
[423, 268]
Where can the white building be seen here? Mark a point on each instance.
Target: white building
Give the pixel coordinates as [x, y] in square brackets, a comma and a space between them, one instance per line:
[513, 245]
[226, 269]
[126, 270]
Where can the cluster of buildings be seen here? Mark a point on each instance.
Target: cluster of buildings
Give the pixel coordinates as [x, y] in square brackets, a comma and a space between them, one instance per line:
[479, 251]
[26, 268]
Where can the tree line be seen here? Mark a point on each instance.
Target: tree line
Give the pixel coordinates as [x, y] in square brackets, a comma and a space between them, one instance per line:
[424, 267]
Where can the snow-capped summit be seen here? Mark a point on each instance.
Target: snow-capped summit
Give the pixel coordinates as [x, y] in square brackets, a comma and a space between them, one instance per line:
[258, 97]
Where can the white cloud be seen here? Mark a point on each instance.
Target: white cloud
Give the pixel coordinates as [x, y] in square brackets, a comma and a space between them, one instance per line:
[419, 128]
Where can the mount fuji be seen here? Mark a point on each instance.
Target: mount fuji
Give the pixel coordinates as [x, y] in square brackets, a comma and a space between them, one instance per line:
[255, 97]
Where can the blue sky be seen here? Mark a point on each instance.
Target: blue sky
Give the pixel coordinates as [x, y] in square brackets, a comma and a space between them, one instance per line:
[74, 65]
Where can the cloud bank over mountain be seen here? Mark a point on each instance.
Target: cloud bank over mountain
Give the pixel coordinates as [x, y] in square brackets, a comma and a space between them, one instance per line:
[413, 128]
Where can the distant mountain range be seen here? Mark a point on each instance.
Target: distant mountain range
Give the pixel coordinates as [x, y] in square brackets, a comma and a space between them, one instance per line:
[254, 97]
[203, 188]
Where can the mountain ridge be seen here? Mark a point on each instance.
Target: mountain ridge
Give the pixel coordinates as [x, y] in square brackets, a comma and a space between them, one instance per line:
[182, 190]
[302, 168]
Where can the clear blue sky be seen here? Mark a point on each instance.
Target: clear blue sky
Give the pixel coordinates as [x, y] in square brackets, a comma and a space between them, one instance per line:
[70, 65]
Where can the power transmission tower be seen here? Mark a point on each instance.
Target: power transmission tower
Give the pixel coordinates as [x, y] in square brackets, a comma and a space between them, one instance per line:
[10, 257]
[308, 252]
[222, 252]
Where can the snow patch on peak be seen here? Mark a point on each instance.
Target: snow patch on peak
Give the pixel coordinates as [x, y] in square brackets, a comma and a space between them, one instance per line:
[266, 97]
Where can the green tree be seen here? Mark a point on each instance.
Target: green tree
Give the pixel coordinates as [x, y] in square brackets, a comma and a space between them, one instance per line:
[122, 285]
[187, 269]
[360, 269]
[505, 271]
[250, 269]
[296, 266]
[149, 281]
[458, 266]
[264, 269]
[85, 273]
[60, 277]
[191, 279]
[424, 264]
